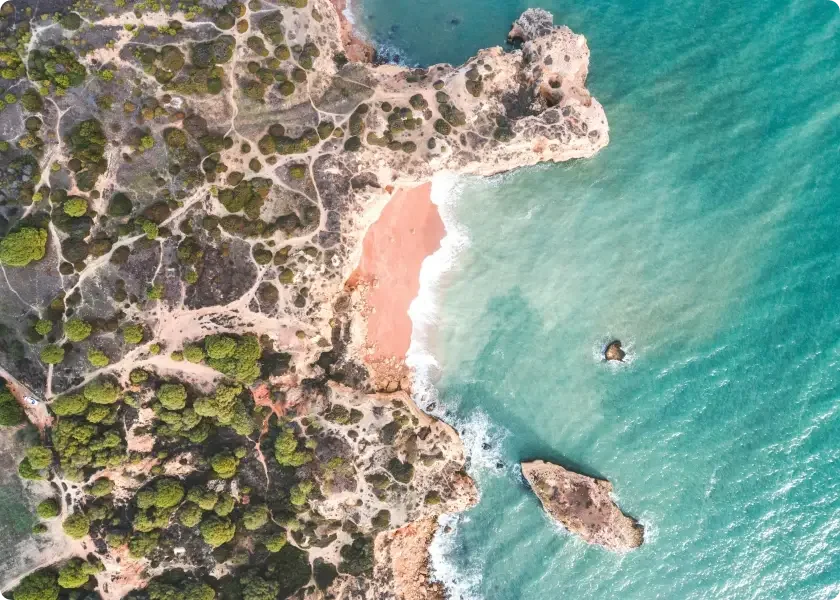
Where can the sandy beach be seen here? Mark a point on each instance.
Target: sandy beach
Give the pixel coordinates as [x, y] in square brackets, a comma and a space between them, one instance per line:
[408, 230]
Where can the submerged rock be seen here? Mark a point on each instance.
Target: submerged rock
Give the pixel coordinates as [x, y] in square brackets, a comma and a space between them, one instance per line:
[614, 351]
[583, 506]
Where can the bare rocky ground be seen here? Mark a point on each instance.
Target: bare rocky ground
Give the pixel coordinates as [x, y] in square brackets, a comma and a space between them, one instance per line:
[229, 159]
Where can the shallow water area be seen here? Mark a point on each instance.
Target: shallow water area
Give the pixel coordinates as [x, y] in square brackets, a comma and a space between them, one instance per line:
[704, 238]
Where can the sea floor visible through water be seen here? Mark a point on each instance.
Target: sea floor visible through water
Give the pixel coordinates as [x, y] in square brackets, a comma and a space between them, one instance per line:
[704, 237]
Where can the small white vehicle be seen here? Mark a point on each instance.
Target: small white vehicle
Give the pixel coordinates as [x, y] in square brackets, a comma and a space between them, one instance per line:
[31, 400]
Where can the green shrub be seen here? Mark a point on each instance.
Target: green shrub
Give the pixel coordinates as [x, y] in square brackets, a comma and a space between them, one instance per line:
[300, 493]
[173, 396]
[101, 392]
[155, 292]
[10, 411]
[150, 229]
[190, 514]
[357, 558]
[133, 334]
[21, 247]
[174, 137]
[75, 206]
[76, 525]
[40, 457]
[32, 100]
[40, 585]
[52, 354]
[97, 358]
[418, 102]
[75, 573]
[381, 520]
[73, 404]
[48, 509]
[193, 353]
[297, 171]
[168, 493]
[101, 487]
[275, 542]
[43, 326]
[77, 330]
[120, 205]
[27, 471]
[96, 413]
[225, 505]
[138, 376]
[442, 127]
[224, 464]
[217, 531]
[286, 450]
[141, 544]
[71, 21]
[254, 517]
[220, 346]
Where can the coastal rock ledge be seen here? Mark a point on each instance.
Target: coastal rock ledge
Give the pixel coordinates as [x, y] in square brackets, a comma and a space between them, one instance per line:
[583, 506]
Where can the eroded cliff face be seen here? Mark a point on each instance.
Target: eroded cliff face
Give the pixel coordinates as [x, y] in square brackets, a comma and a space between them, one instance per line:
[230, 160]
[583, 505]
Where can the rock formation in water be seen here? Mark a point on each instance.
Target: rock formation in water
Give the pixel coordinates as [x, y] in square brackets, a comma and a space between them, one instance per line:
[583, 505]
[614, 352]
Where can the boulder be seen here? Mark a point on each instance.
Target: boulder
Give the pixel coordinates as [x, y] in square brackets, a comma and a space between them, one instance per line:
[614, 352]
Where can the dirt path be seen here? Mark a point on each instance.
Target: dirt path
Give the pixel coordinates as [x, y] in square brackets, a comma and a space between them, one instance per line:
[38, 414]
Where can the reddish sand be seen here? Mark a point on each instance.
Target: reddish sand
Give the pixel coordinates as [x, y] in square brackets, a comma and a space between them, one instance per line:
[408, 230]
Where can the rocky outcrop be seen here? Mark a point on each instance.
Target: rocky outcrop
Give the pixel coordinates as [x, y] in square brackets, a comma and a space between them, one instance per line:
[583, 505]
[533, 23]
[402, 563]
[614, 352]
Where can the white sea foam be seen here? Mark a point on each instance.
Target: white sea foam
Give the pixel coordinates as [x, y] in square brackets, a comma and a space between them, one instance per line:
[424, 309]
[482, 439]
[348, 14]
[460, 584]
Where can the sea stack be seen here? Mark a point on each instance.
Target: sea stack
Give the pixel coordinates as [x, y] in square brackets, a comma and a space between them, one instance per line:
[583, 505]
[614, 351]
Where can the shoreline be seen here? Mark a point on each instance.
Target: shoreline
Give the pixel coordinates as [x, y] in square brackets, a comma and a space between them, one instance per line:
[407, 232]
[356, 48]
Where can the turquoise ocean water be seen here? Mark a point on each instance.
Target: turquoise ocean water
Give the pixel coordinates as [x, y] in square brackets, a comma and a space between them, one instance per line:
[705, 237]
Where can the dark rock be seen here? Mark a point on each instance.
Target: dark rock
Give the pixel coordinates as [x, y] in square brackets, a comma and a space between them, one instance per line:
[614, 352]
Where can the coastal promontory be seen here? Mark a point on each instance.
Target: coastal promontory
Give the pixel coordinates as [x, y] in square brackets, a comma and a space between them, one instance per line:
[583, 505]
[195, 402]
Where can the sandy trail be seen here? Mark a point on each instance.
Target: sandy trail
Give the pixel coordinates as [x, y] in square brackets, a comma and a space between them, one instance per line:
[38, 414]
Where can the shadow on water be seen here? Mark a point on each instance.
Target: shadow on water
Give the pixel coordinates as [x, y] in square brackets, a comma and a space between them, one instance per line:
[520, 321]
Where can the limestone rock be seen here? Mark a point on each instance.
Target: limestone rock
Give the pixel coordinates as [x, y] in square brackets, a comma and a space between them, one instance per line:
[583, 506]
[533, 23]
[614, 351]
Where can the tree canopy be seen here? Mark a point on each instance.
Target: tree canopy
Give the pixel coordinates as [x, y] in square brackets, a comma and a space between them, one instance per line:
[10, 411]
[77, 330]
[40, 585]
[21, 247]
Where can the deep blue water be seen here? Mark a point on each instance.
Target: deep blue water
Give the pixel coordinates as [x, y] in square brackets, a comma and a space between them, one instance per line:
[705, 237]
